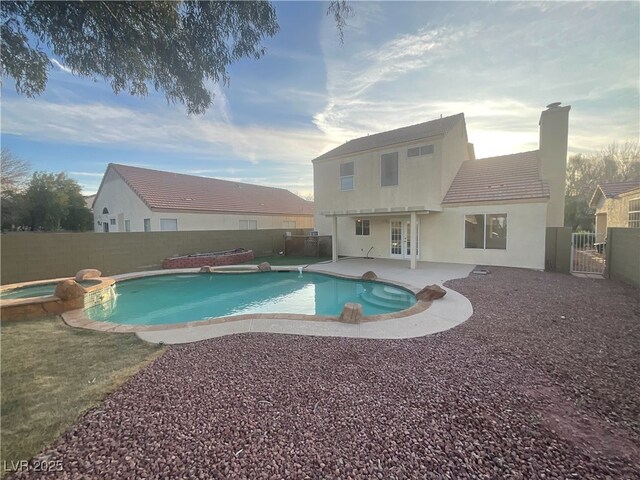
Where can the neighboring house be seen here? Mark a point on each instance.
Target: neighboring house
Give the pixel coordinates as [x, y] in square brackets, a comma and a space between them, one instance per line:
[617, 205]
[420, 185]
[88, 200]
[132, 199]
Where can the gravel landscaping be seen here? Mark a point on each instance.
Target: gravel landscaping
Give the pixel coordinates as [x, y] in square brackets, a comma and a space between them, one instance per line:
[541, 382]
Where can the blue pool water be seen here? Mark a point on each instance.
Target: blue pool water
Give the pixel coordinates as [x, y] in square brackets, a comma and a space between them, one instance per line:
[166, 299]
[38, 290]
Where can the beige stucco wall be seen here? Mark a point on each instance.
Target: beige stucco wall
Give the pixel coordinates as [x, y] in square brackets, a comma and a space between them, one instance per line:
[418, 181]
[227, 221]
[123, 204]
[442, 236]
[554, 129]
[422, 181]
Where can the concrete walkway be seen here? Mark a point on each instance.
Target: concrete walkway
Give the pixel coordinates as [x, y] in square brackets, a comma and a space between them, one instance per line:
[443, 314]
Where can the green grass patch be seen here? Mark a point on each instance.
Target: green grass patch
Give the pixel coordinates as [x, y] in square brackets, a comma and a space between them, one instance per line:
[282, 260]
[52, 373]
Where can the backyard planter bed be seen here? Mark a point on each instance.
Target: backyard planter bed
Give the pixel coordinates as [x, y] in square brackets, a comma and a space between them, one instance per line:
[540, 382]
[213, 259]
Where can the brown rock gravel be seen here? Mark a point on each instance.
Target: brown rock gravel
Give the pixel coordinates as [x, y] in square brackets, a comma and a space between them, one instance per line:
[542, 382]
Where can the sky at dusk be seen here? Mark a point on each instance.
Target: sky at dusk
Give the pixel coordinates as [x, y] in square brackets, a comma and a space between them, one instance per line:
[401, 63]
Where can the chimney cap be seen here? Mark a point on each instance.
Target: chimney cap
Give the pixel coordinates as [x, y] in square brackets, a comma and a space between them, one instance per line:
[553, 105]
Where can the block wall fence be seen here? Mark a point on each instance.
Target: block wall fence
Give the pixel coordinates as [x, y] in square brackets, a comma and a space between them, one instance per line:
[623, 255]
[37, 256]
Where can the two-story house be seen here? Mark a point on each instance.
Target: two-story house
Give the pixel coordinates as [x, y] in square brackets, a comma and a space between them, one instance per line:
[133, 199]
[383, 194]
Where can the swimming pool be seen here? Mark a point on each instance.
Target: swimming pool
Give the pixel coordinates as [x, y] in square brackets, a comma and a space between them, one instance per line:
[39, 290]
[181, 298]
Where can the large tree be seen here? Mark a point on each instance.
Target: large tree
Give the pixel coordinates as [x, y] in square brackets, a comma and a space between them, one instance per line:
[173, 46]
[14, 176]
[614, 163]
[53, 202]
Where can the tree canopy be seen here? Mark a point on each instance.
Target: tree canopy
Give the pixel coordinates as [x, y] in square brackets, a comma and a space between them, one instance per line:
[173, 46]
[615, 163]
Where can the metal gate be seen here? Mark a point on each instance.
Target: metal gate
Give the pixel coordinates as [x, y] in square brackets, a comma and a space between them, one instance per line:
[587, 256]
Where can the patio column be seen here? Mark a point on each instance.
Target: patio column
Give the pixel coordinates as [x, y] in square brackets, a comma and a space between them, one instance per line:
[413, 239]
[334, 239]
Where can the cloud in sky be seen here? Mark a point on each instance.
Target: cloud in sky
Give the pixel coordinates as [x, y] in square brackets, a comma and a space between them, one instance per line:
[401, 63]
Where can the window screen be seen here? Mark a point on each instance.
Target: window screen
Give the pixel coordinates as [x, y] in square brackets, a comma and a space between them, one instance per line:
[474, 231]
[389, 169]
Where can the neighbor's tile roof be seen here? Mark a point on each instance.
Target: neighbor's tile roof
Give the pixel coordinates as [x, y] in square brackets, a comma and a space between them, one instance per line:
[175, 191]
[509, 177]
[400, 135]
[614, 189]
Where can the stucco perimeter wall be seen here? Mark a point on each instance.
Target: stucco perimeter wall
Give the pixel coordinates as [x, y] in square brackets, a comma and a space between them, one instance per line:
[442, 236]
[36, 256]
[623, 255]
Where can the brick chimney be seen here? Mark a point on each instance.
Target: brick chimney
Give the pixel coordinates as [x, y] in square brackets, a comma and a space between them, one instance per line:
[554, 131]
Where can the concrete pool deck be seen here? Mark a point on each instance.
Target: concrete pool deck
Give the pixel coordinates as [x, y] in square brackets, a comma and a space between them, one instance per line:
[443, 314]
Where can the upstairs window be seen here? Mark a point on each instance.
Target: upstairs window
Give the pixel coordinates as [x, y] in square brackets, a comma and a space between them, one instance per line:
[362, 227]
[147, 224]
[634, 213]
[419, 151]
[389, 169]
[486, 231]
[289, 224]
[346, 176]
[105, 211]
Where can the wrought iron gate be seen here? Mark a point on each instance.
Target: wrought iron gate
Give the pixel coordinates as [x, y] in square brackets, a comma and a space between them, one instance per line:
[587, 256]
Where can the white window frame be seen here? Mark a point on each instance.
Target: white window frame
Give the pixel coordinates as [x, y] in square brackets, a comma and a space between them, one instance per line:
[629, 212]
[289, 224]
[146, 223]
[112, 221]
[352, 177]
[484, 234]
[127, 225]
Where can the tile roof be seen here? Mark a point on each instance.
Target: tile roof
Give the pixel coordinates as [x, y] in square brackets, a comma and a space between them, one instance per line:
[614, 189]
[400, 135]
[175, 191]
[508, 177]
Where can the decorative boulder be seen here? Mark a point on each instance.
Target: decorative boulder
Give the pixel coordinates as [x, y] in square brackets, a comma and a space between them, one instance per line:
[206, 269]
[87, 273]
[351, 313]
[264, 267]
[431, 292]
[69, 290]
[369, 275]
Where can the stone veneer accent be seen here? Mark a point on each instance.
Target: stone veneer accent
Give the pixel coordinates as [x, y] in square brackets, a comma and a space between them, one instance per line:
[35, 307]
[214, 260]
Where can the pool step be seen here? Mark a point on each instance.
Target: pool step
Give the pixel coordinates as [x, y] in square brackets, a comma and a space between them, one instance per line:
[385, 297]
